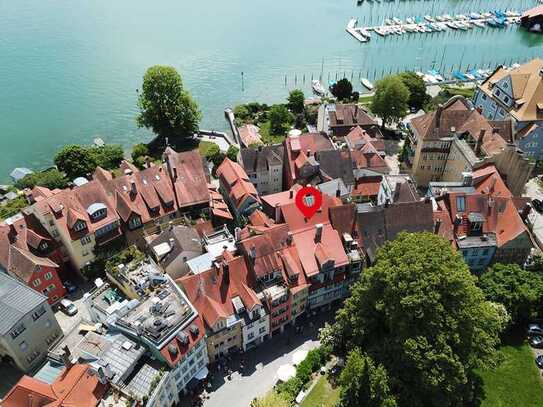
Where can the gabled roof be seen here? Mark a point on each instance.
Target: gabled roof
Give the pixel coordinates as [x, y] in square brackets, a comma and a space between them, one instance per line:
[236, 182]
[256, 160]
[23, 264]
[349, 115]
[357, 137]
[367, 157]
[487, 180]
[186, 169]
[527, 85]
[249, 134]
[174, 351]
[76, 387]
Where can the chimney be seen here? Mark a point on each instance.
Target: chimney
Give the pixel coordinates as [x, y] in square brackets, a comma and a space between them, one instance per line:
[252, 252]
[453, 131]
[291, 194]
[308, 152]
[133, 189]
[289, 238]
[369, 155]
[526, 211]
[237, 234]
[467, 179]
[174, 173]
[439, 110]
[148, 162]
[479, 142]
[66, 357]
[338, 192]
[172, 242]
[318, 232]
[437, 225]
[225, 273]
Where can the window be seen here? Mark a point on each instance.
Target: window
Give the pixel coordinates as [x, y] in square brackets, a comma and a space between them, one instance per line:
[43, 246]
[36, 282]
[79, 226]
[134, 222]
[48, 275]
[99, 214]
[102, 231]
[484, 96]
[49, 288]
[38, 313]
[498, 93]
[251, 336]
[505, 85]
[262, 330]
[17, 331]
[85, 240]
[506, 99]
[460, 203]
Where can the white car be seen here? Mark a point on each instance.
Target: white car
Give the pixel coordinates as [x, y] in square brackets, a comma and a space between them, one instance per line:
[68, 307]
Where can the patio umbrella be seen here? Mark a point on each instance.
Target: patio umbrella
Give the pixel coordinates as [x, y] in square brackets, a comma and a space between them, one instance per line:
[286, 372]
[299, 356]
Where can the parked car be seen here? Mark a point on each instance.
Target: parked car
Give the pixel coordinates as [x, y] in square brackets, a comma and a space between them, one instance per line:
[68, 307]
[536, 341]
[537, 205]
[70, 287]
[535, 329]
[539, 361]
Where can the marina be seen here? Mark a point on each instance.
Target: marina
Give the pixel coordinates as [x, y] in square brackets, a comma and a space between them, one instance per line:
[429, 24]
[98, 50]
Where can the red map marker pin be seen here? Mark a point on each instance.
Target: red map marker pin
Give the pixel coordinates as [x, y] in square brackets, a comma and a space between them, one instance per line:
[308, 201]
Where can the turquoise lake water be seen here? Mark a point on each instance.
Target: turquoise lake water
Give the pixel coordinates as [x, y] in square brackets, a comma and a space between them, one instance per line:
[69, 70]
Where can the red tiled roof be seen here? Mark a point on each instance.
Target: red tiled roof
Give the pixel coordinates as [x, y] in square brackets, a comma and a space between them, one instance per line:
[212, 291]
[296, 221]
[357, 137]
[310, 252]
[175, 350]
[236, 182]
[299, 145]
[368, 157]
[487, 180]
[69, 205]
[188, 175]
[368, 186]
[218, 207]
[147, 193]
[249, 134]
[501, 215]
[350, 115]
[75, 387]
[23, 264]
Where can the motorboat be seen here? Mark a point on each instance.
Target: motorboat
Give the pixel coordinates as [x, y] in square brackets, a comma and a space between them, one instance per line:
[436, 75]
[451, 24]
[470, 76]
[429, 19]
[439, 18]
[366, 83]
[388, 21]
[447, 17]
[409, 20]
[317, 87]
[475, 16]
[479, 23]
[397, 21]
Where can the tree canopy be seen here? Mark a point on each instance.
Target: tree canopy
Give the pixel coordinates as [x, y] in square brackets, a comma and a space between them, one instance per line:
[75, 161]
[342, 89]
[139, 153]
[519, 290]
[296, 101]
[280, 119]
[108, 156]
[363, 383]
[418, 313]
[165, 106]
[51, 179]
[391, 99]
[417, 90]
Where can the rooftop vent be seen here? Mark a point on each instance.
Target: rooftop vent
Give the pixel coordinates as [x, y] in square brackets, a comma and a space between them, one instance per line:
[183, 338]
[194, 330]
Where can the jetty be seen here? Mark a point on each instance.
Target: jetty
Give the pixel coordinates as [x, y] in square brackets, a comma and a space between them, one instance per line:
[354, 31]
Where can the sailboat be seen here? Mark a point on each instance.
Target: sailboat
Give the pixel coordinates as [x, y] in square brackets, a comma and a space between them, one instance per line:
[366, 83]
[317, 87]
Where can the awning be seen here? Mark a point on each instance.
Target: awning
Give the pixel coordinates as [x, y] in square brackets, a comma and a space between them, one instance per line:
[202, 373]
[286, 372]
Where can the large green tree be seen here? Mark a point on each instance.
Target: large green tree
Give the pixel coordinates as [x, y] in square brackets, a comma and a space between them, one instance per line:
[419, 313]
[51, 179]
[363, 383]
[296, 101]
[108, 156]
[342, 89]
[520, 291]
[165, 106]
[417, 90]
[391, 100]
[75, 161]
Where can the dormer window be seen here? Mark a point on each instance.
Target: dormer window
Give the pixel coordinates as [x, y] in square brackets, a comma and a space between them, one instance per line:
[43, 246]
[97, 211]
[79, 226]
[134, 222]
